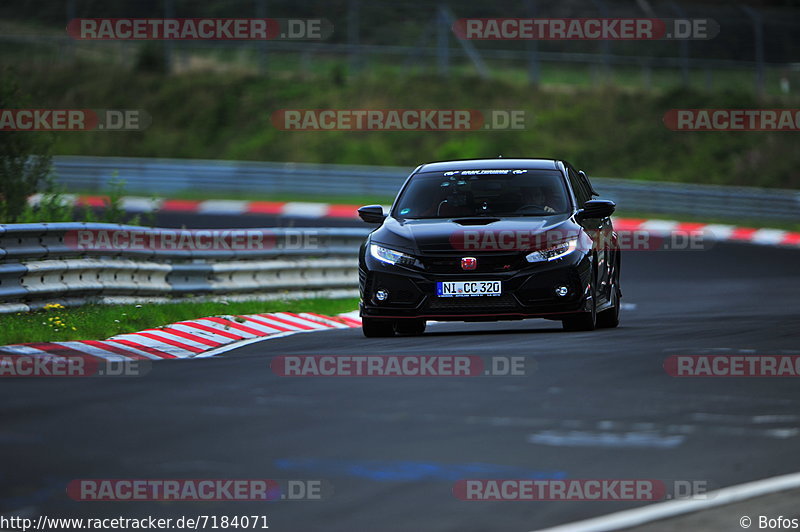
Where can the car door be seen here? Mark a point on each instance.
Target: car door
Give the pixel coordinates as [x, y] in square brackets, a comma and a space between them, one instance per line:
[599, 229]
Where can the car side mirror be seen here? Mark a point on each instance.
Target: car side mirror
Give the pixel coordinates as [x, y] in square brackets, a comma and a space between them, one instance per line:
[372, 214]
[596, 209]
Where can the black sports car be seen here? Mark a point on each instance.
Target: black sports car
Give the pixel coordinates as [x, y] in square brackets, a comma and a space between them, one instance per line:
[488, 240]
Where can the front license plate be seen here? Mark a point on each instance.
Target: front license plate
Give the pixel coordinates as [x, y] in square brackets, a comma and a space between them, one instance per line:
[468, 288]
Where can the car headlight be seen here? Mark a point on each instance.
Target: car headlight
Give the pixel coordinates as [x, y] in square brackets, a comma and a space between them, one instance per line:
[390, 256]
[553, 252]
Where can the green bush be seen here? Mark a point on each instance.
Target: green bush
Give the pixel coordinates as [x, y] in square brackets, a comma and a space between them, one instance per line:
[24, 156]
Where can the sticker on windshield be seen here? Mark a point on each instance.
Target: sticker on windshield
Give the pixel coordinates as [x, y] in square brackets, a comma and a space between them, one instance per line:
[485, 172]
[405, 211]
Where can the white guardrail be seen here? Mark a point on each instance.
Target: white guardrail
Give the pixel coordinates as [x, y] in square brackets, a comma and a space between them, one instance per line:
[173, 176]
[66, 263]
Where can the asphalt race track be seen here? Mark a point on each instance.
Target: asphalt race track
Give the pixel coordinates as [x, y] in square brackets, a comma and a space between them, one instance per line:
[598, 405]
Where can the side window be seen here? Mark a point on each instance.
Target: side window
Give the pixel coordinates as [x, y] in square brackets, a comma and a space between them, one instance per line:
[586, 183]
[582, 193]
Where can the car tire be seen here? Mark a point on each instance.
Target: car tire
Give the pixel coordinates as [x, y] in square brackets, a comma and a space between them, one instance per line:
[414, 327]
[609, 318]
[377, 328]
[584, 321]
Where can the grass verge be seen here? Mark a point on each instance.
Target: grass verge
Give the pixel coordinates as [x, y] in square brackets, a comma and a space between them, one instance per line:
[605, 130]
[98, 322]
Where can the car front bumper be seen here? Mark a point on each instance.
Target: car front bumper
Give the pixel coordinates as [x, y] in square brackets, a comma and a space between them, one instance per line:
[526, 293]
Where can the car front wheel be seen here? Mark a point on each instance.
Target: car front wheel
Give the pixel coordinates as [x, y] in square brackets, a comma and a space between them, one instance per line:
[377, 328]
[584, 321]
[609, 318]
[413, 327]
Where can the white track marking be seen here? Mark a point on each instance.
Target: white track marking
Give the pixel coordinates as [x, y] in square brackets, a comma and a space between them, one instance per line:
[328, 321]
[189, 329]
[140, 204]
[769, 237]
[605, 439]
[305, 210]
[265, 329]
[353, 315]
[222, 207]
[302, 321]
[273, 325]
[659, 226]
[26, 350]
[132, 349]
[241, 343]
[94, 351]
[177, 338]
[663, 510]
[277, 323]
[718, 232]
[230, 329]
[155, 344]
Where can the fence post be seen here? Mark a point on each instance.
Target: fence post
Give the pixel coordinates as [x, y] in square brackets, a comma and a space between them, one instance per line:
[758, 30]
[448, 19]
[442, 42]
[169, 12]
[605, 44]
[413, 56]
[353, 36]
[533, 48]
[70, 43]
[678, 10]
[263, 60]
[647, 74]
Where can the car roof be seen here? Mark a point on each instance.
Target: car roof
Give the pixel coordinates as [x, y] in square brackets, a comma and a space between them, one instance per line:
[487, 164]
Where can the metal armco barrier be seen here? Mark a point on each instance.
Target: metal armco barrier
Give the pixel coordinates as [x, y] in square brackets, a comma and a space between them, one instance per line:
[45, 263]
[171, 176]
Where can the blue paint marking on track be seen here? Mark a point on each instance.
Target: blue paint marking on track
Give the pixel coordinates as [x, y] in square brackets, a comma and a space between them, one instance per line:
[406, 471]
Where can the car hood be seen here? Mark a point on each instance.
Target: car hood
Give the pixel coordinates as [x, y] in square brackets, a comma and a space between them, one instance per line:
[448, 235]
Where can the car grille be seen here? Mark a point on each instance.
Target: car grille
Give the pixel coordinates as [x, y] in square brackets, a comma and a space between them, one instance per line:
[501, 303]
[496, 263]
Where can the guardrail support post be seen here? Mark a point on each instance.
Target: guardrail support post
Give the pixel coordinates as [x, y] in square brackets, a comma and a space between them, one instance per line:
[261, 12]
[442, 44]
[353, 35]
[533, 48]
[169, 46]
[678, 10]
[758, 30]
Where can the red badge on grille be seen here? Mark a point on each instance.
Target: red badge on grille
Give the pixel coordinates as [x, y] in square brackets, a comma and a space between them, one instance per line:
[469, 263]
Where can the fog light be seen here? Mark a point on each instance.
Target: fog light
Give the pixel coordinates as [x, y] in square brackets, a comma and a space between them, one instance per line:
[561, 291]
[381, 295]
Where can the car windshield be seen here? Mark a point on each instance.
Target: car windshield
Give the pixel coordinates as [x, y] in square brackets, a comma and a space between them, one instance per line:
[500, 193]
